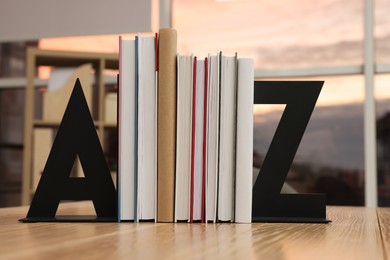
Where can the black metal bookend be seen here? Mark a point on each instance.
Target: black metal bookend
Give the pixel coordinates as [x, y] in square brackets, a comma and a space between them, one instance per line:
[268, 204]
[76, 136]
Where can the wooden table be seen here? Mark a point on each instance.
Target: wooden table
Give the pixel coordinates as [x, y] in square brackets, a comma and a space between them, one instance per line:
[355, 233]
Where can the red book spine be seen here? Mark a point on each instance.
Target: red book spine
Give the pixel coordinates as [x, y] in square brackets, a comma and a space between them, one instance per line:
[156, 49]
[193, 143]
[204, 170]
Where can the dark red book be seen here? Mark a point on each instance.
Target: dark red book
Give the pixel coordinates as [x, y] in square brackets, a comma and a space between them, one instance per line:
[156, 49]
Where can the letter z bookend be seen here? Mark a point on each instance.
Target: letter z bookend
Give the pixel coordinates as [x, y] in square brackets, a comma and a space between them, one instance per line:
[268, 205]
[76, 136]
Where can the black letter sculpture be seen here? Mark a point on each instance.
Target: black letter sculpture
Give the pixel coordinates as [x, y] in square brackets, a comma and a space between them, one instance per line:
[268, 205]
[76, 136]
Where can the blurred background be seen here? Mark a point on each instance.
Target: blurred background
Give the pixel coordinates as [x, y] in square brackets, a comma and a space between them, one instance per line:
[345, 151]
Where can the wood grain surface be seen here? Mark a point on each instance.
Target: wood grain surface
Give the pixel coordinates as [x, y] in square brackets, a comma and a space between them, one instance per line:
[384, 224]
[355, 233]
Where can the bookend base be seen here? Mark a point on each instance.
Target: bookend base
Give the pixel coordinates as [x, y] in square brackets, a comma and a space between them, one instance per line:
[291, 208]
[68, 218]
[290, 220]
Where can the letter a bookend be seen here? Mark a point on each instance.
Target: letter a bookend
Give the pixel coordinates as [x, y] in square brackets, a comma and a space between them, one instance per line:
[76, 136]
[268, 204]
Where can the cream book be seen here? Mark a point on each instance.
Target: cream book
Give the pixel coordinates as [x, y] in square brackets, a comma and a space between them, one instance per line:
[183, 137]
[197, 177]
[126, 130]
[146, 127]
[244, 154]
[227, 138]
[212, 138]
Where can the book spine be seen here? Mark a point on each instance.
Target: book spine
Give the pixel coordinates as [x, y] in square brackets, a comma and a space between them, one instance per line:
[193, 143]
[205, 118]
[136, 130]
[212, 137]
[178, 139]
[166, 129]
[219, 135]
[119, 126]
[244, 155]
[126, 130]
[183, 137]
[227, 140]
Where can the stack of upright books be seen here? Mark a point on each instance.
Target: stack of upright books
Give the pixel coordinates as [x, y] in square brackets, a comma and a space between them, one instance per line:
[185, 133]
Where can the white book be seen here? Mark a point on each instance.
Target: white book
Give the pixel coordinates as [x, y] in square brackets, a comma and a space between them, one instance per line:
[212, 138]
[147, 128]
[183, 136]
[199, 138]
[126, 129]
[227, 141]
[244, 155]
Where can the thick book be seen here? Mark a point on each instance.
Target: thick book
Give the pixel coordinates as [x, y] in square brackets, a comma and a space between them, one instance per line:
[212, 138]
[244, 154]
[126, 130]
[197, 173]
[146, 128]
[227, 137]
[166, 154]
[183, 137]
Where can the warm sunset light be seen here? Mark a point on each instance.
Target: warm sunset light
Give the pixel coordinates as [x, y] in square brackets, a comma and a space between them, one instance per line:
[324, 33]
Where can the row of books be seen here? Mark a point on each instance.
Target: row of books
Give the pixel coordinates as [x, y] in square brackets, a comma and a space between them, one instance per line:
[185, 133]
